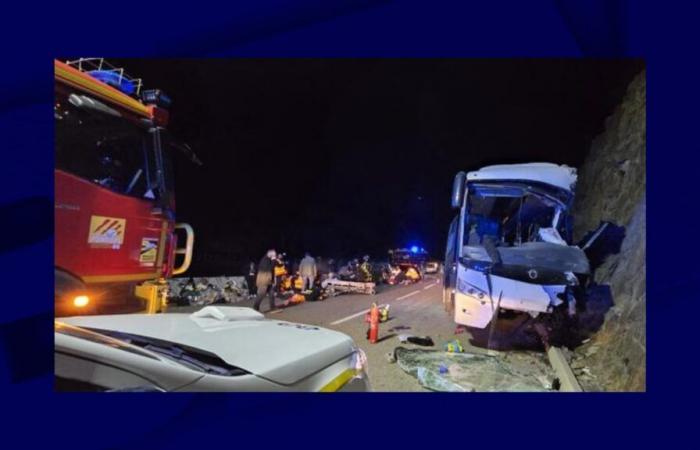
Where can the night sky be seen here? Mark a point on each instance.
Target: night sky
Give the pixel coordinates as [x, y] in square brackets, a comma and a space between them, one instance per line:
[345, 157]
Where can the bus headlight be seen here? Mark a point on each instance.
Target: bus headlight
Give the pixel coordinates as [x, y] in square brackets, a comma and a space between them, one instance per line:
[467, 289]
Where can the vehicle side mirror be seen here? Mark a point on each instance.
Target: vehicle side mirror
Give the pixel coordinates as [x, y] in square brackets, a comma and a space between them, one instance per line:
[458, 189]
[187, 151]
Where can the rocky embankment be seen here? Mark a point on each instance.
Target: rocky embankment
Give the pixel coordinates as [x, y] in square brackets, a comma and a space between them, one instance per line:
[612, 187]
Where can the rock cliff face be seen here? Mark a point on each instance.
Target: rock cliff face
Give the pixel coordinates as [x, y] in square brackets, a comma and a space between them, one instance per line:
[611, 187]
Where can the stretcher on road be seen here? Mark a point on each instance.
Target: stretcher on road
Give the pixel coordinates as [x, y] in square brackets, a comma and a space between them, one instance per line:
[334, 286]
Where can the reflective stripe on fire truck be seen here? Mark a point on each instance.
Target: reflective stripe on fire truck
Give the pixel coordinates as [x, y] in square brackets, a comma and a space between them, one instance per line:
[121, 277]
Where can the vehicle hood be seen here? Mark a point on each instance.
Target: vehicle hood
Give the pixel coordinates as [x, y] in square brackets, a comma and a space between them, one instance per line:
[538, 255]
[282, 352]
[546, 255]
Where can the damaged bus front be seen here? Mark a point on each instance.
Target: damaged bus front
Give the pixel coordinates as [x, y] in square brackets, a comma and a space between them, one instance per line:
[510, 246]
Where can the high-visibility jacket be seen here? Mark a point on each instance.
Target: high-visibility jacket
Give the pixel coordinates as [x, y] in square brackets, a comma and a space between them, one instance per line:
[298, 283]
[297, 298]
[412, 274]
[366, 271]
[286, 284]
[280, 270]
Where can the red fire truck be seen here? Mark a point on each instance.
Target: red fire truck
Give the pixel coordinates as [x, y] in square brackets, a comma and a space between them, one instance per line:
[114, 206]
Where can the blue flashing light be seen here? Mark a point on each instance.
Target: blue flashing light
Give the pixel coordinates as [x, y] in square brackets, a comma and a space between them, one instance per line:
[414, 249]
[115, 80]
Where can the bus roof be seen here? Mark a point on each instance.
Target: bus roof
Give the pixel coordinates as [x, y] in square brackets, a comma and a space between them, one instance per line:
[561, 176]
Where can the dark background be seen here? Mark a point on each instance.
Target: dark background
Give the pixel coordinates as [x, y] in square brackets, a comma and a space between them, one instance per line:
[343, 157]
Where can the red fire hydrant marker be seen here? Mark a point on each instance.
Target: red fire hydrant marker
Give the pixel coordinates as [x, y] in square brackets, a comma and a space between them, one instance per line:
[373, 331]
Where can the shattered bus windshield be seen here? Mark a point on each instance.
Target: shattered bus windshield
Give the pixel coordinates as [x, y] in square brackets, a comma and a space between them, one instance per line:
[509, 215]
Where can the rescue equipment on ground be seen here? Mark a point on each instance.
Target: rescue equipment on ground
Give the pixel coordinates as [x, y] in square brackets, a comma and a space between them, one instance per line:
[334, 286]
[454, 346]
[425, 341]
[384, 313]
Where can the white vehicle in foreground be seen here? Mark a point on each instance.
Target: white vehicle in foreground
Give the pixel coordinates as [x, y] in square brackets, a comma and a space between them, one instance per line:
[218, 349]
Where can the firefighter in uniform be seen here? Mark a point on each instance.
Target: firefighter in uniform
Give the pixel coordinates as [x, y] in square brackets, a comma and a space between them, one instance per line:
[365, 269]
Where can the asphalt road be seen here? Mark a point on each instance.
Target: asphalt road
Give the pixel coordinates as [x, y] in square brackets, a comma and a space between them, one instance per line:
[418, 306]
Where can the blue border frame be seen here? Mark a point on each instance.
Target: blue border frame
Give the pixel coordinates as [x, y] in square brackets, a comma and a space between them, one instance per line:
[35, 34]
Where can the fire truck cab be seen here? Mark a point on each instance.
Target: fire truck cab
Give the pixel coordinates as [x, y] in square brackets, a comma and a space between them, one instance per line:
[115, 223]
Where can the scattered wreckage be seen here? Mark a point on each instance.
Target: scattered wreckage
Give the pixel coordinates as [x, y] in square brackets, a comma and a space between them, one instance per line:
[206, 291]
[354, 278]
[509, 248]
[445, 371]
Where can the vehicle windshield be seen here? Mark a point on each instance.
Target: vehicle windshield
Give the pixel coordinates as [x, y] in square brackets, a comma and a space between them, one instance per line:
[98, 338]
[99, 144]
[193, 358]
[509, 215]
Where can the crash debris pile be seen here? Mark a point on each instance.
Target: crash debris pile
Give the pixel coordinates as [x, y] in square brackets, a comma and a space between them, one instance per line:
[206, 290]
[478, 372]
[611, 187]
